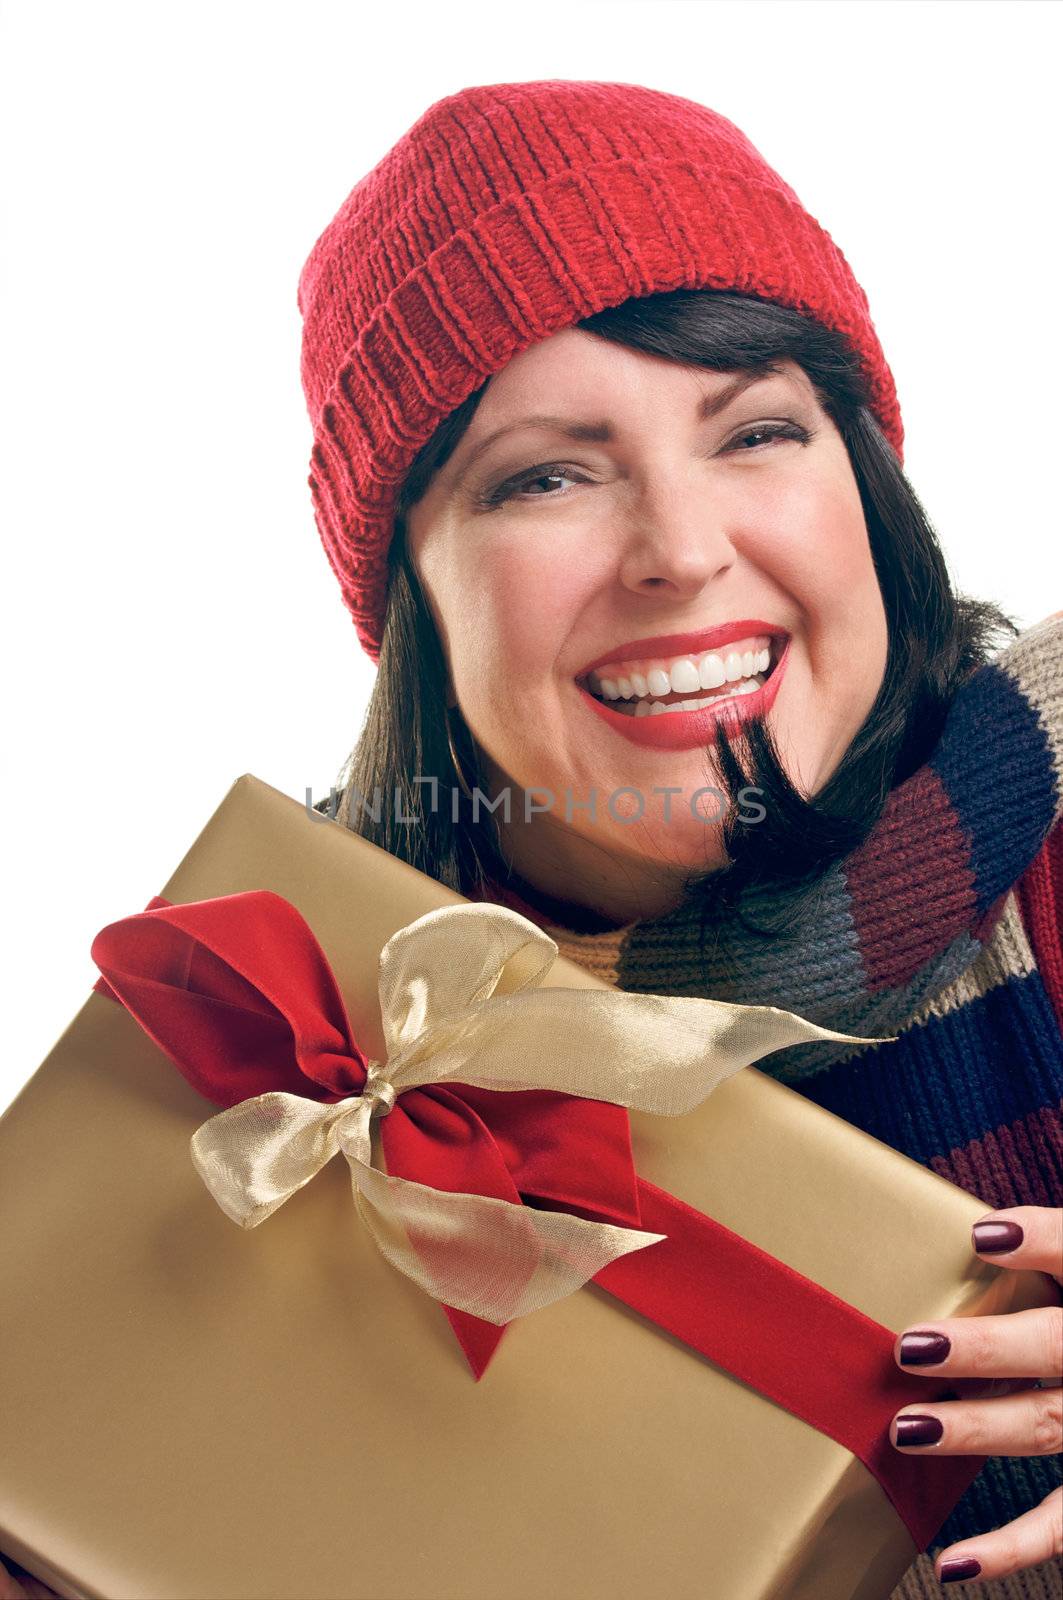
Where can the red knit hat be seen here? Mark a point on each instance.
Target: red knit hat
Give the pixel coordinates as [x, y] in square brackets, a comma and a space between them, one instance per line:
[507, 212]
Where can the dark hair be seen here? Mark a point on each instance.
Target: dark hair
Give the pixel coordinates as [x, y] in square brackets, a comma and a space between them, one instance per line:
[936, 639]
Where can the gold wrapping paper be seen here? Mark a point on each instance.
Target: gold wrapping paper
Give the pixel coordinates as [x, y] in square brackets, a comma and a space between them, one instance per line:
[193, 1411]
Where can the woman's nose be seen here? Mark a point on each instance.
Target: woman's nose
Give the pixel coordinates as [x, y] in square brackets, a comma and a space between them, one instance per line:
[674, 548]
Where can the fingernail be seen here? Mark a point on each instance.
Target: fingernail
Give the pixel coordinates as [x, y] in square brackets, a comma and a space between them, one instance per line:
[991, 1238]
[924, 1349]
[961, 1567]
[915, 1429]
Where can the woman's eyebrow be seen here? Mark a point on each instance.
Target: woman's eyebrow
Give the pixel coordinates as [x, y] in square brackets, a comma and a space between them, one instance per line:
[604, 432]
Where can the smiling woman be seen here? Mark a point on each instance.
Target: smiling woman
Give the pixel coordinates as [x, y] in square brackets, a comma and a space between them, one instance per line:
[759, 496]
[680, 520]
[607, 461]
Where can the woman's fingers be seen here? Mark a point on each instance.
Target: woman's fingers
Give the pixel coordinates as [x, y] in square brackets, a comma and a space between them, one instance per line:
[997, 1410]
[1033, 1538]
[1019, 1344]
[1000, 1414]
[1025, 1237]
[1025, 1424]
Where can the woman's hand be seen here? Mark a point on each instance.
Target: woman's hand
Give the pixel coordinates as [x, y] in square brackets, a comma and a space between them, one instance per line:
[1001, 1416]
[23, 1587]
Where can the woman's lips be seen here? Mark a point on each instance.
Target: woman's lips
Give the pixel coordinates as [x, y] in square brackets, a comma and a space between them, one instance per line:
[686, 730]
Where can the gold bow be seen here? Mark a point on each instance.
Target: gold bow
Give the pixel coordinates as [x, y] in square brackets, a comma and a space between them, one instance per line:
[444, 1023]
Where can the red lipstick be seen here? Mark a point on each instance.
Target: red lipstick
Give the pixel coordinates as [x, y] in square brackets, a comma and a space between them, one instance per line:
[683, 644]
[685, 730]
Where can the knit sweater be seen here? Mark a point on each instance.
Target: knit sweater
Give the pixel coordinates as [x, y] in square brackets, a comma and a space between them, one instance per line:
[945, 928]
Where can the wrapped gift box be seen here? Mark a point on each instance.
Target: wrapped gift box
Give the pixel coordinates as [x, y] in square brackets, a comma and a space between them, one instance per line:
[194, 1411]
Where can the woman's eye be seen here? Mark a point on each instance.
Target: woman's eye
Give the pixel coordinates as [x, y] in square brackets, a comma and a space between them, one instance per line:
[767, 430]
[555, 471]
[545, 472]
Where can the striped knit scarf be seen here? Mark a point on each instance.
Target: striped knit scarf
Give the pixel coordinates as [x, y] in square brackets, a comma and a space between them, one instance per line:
[943, 928]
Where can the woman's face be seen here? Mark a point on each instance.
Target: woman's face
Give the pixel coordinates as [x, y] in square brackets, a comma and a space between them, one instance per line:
[662, 501]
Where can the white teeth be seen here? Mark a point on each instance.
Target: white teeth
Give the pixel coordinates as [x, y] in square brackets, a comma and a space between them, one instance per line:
[656, 708]
[712, 674]
[684, 675]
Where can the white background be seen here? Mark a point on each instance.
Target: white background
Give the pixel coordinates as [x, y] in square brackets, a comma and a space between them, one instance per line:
[170, 620]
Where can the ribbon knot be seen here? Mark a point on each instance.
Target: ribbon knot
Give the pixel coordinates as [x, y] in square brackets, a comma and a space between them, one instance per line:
[239, 994]
[378, 1091]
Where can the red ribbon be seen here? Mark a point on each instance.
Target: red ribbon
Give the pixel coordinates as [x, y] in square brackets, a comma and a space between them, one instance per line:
[238, 993]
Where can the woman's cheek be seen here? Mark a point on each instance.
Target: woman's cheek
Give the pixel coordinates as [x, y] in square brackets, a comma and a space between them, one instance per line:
[844, 537]
[534, 606]
[826, 570]
[813, 533]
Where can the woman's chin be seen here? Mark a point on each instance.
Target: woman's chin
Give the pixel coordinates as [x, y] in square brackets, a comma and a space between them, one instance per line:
[663, 847]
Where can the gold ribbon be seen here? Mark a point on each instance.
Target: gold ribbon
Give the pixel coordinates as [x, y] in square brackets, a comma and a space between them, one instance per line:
[445, 1023]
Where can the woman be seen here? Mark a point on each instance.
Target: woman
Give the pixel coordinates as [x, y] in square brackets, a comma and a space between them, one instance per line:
[859, 820]
[603, 427]
[721, 521]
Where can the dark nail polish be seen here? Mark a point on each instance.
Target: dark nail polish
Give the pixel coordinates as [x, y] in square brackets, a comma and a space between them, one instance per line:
[992, 1238]
[961, 1567]
[915, 1429]
[924, 1349]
